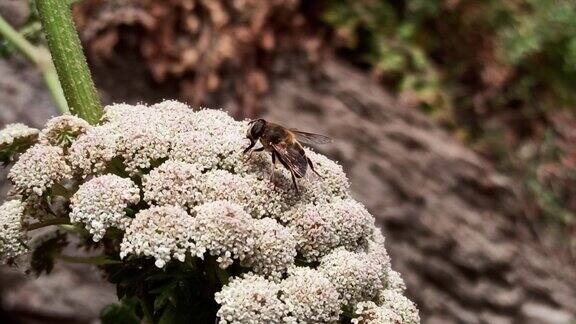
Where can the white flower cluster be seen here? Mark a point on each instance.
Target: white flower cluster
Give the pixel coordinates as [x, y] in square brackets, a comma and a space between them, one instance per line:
[100, 203]
[310, 296]
[395, 281]
[344, 280]
[400, 305]
[92, 151]
[251, 299]
[62, 130]
[124, 113]
[176, 181]
[173, 183]
[274, 249]
[11, 236]
[258, 197]
[184, 184]
[38, 169]
[222, 228]
[142, 144]
[209, 150]
[228, 232]
[320, 228]
[394, 308]
[370, 313]
[14, 132]
[361, 281]
[333, 183]
[356, 276]
[305, 296]
[161, 232]
[138, 135]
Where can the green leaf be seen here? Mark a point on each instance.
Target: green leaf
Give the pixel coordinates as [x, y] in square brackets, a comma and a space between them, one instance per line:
[169, 316]
[162, 300]
[162, 288]
[8, 152]
[222, 275]
[129, 275]
[124, 313]
[47, 248]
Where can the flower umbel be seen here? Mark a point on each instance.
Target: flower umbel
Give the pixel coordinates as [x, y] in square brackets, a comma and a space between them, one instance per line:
[180, 214]
[225, 230]
[62, 130]
[173, 183]
[160, 232]
[101, 202]
[251, 299]
[11, 236]
[38, 169]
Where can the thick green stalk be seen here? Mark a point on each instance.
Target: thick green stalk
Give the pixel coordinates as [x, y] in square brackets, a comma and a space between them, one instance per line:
[68, 57]
[98, 260]
[41, 58]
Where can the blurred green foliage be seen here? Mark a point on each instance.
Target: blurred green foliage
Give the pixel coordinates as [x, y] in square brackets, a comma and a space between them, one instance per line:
[444, 52]
[493, 72]
[392, 41]
[31, 30]
[540, 42]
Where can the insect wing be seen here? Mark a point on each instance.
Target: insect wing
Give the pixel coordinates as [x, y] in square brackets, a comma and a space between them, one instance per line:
[311, 138]
[295, 159]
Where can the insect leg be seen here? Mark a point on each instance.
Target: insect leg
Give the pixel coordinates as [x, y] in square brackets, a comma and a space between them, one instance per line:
[252, 143]
[294, 181]
[260, 149]
[273, 168]
[312, 167]
[287, 166]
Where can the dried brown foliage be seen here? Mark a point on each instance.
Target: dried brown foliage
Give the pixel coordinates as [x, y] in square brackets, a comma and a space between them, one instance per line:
[205, 45]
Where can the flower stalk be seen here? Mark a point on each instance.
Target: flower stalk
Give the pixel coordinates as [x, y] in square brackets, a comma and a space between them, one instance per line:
[46, 223]
[40, 57]
[98, 260]
[69, 59]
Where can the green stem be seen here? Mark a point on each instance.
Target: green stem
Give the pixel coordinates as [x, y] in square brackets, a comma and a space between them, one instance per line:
[99, 260]
[59, 190]
[41, 58]
[53, 84]
[12, 36]
[222, 275]
[74, 228]
[50, 222]
[68, 57]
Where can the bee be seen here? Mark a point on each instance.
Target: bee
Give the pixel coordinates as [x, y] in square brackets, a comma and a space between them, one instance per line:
[285, 145]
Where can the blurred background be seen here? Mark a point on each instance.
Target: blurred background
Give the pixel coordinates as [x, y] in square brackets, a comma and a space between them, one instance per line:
[454, 120]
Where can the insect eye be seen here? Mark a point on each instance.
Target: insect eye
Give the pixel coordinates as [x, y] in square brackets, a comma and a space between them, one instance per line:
[257, 128]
